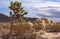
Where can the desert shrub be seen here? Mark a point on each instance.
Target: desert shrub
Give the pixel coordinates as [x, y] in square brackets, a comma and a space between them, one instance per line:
[21, 29]
[37, 27]
[54, 28]
[6, 36]
[33, 36]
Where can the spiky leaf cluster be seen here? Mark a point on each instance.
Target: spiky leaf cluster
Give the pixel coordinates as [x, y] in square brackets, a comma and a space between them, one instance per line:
[17, 9]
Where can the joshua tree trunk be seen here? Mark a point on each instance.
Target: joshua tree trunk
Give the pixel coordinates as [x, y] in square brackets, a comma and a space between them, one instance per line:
[11, 24]
[11, 28]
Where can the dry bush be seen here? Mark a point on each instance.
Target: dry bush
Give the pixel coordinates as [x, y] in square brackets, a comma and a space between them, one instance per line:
[32, 36]
[55, 27]
[21, 29]
[37, 27]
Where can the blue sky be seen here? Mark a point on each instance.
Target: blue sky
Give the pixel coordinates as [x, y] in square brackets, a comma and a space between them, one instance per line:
[36, 8]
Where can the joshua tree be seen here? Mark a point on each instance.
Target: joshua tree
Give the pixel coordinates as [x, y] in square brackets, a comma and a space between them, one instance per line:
[17, 12]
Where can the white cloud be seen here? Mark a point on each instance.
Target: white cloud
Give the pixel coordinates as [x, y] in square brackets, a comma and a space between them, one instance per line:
[44, 7]
[49, 9]
[34, 7]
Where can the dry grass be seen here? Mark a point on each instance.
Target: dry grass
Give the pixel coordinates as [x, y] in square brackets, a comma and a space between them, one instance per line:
[55, 27]
[25, 30]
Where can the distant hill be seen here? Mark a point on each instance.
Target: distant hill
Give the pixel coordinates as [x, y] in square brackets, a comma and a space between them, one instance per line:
[31, 19]
[4, 18]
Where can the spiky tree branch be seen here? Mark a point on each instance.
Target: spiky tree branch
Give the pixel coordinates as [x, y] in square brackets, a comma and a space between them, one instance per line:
[18, 11]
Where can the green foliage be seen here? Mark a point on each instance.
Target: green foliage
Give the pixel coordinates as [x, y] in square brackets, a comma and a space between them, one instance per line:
[18, 11]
